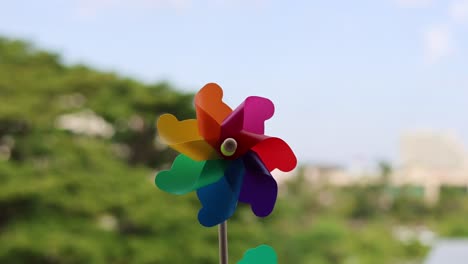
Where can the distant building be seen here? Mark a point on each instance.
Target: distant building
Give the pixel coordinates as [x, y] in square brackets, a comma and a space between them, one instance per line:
[282, 177]
[430, 150]
[431, 160]
[320, 175]
[316, 175]
[449, 252]
[428, 161]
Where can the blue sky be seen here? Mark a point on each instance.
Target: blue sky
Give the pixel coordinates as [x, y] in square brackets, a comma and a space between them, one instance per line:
[347, 77]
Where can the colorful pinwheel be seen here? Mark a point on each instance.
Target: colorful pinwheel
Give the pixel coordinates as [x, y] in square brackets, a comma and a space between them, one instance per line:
[225, 156]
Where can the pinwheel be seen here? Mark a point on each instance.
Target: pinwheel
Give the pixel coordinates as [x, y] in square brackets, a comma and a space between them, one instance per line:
[225, 156]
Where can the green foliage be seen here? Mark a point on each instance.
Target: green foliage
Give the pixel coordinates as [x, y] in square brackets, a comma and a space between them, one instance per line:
[72, 198]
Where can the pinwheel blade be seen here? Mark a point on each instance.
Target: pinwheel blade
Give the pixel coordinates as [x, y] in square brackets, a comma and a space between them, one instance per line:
[184, 137]
[276, 154]
[187, 175]
[262, 254]
[259, 188]
[250, 116]
[219, 200]
[211, 112]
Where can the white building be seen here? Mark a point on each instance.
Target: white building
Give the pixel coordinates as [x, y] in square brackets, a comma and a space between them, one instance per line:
[431, 160]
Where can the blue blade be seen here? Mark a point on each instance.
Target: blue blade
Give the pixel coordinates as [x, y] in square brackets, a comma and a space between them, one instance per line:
[219, 200]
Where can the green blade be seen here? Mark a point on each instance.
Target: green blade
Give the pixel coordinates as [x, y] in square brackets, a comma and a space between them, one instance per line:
[262, 254]
[187, 175]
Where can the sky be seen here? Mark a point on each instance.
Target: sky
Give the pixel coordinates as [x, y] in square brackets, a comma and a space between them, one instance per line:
[348, 78]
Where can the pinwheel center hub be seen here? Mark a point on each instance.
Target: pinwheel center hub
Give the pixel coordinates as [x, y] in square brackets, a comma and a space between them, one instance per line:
[229, 147]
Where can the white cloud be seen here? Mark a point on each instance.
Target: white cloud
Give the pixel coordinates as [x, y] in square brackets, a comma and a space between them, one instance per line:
[438, 43]
[239, 3]
[458, 11]
[88, 8]
[414, 3]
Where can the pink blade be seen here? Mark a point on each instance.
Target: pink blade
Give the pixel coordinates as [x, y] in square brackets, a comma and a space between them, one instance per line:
[250, 116]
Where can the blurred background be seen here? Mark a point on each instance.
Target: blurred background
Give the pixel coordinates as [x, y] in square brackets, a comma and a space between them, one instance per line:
[371, 95]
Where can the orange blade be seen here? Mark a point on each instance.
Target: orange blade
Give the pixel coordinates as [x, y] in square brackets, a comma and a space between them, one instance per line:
[211, 112]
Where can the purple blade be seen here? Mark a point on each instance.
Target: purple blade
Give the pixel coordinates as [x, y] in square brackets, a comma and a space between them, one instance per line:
[259, 188]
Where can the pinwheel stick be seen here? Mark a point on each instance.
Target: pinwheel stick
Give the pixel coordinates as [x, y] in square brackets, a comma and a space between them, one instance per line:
[223, 243]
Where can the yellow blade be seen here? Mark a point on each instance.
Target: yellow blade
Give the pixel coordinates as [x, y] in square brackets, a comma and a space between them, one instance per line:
[184, 137]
